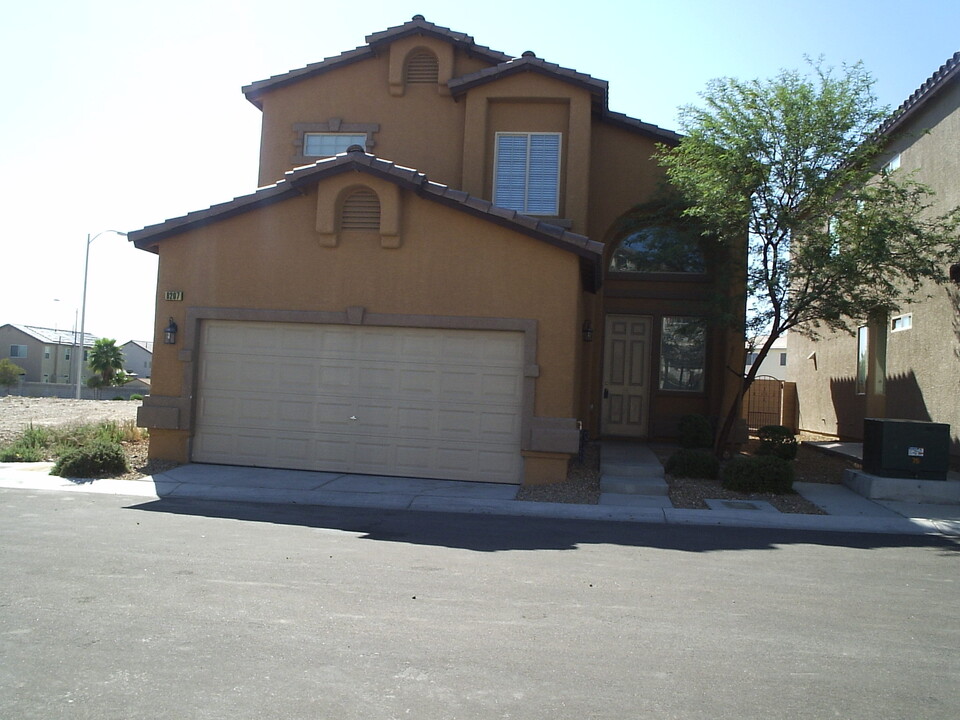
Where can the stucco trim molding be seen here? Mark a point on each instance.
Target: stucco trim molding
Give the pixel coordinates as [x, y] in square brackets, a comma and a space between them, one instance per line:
[356, 315]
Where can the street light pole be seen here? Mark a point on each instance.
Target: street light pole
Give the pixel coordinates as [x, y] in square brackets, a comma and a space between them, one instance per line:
[83, 305]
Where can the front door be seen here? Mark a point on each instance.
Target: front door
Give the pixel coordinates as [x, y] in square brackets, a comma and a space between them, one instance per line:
[626, 375]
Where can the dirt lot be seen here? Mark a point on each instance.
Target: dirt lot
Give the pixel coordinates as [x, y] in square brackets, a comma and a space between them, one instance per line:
[16, 413]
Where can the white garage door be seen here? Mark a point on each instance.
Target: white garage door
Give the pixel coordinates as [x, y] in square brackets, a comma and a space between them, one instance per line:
[396, 401]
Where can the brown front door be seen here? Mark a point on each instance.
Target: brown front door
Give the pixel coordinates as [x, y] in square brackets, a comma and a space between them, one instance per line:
[626, 375]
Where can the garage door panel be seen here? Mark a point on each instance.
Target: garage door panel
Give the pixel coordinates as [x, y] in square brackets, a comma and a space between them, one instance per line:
[426, 403]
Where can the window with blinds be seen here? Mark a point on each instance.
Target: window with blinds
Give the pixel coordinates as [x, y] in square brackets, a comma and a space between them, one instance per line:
[423, 67]
[360, 211]
[321, 144]
[527, 172]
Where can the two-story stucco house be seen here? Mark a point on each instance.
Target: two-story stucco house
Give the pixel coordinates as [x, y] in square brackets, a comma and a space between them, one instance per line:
[46, 355]
[442, 274]
[906, 365]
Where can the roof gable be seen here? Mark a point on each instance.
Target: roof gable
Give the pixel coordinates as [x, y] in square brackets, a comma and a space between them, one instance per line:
[355, 160]
[417, 26]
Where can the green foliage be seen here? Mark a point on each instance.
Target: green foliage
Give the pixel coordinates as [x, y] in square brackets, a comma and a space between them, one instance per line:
[38, 443]
[136, 396]
[778, 441]
[693, 463]
[790, 162]
[788, 167]
[118, 397]
[696, 431]
[97, 459]
[106, 359]
[764, 473]
[31, 446]
[10, 372]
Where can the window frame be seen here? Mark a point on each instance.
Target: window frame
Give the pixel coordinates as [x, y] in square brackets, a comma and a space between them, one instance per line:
[905, 322]
[348, 138]
[333, 126]
[499, 160]
[15, 351]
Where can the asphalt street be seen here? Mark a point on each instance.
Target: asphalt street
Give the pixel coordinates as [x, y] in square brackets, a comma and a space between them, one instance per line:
[120, 607]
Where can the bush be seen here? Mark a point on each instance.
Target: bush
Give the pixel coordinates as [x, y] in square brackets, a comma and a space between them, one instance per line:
[693, 463]
[31, 446]
[778, 441]
[93, 460]
[763, 473]
[696, 432]
[118, 397]
[136, 396]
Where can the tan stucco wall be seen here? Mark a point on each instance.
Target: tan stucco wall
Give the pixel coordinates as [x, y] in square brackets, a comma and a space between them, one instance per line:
[923, 363]
[422, 128]
[448, 264]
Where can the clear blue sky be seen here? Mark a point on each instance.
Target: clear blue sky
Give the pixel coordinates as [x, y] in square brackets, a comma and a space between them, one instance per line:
[122, 113]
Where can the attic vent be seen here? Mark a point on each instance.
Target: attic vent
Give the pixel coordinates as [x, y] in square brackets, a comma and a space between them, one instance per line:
[423, 67]
[361, 211]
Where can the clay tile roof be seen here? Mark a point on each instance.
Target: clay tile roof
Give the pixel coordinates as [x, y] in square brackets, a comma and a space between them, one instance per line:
[416, 26]
[922, 95]
[624, 121]
[590, 252]
[528, 62]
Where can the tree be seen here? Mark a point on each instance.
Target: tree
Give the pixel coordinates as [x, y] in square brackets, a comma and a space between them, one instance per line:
[106, 359]
[10, 372]
[790, 163]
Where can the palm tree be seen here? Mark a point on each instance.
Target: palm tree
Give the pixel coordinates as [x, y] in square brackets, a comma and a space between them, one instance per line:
[106, 359]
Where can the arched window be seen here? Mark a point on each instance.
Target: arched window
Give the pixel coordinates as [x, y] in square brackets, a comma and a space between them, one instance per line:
[360, 211]
[658, 248]
[422, 67]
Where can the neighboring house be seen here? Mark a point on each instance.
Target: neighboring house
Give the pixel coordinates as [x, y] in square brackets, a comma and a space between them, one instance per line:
[441, 275]
[775, 364]
[47, 355]
[907, 365]
[137, 357]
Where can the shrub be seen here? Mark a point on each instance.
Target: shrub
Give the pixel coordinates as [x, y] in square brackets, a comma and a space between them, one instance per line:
[18, 452]
[136, 396]
[31, 446]
[92, 460]
[695, 432]
[118, 397]
[693, 463]
[778, 441]
[763, 473]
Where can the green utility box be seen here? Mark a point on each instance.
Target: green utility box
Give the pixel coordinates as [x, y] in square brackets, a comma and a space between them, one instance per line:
[906, 448]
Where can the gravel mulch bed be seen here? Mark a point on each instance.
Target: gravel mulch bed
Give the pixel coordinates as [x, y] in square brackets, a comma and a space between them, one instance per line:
[583, 482]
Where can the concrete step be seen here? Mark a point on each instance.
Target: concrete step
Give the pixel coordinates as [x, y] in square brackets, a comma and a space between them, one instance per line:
[632, 485]
[636, 469]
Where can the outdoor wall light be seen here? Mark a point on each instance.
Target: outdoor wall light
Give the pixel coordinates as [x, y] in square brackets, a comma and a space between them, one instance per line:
[170, 333]
[587, 331]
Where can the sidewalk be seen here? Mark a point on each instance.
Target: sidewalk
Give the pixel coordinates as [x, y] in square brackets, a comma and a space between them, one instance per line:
[847, 511]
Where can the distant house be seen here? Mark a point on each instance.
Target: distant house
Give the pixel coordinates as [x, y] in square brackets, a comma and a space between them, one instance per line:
[137, 357]
[47, 355]
[775, 364]
[906, 365]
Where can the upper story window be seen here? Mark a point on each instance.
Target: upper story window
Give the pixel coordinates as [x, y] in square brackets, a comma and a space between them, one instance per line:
[901, 322]
[18, 351]
[892, 164]
[320, 144]
[527, 172]
[659, 248]
[422, 67]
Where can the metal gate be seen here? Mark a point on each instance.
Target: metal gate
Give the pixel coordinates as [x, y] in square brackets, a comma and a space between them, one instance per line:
[770, 402]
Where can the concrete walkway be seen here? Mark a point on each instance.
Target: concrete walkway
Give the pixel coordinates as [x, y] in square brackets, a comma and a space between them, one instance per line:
[847, 511]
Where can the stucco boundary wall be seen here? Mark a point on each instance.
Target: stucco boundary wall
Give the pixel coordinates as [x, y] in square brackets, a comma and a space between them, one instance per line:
[62, 390]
